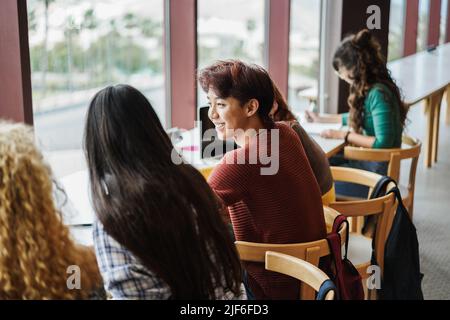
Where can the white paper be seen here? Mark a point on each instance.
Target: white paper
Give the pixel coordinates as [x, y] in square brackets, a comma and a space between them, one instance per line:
[79, 210]
[315, 128]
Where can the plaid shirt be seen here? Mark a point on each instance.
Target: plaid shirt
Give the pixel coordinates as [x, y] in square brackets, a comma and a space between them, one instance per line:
[125, 277]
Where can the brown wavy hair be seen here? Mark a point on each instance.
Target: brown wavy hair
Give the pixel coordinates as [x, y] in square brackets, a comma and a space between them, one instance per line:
[361, 55]
[36, 248]
[283, 112]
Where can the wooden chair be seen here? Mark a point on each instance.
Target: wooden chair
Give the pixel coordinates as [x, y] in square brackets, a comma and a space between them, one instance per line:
[308, 251]
[410, 150]
[299, 269]
[383, 208]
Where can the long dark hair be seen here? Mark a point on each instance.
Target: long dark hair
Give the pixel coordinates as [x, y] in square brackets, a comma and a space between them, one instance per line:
[361, 55]
[283, 112]
[164, 213]
[242, 81]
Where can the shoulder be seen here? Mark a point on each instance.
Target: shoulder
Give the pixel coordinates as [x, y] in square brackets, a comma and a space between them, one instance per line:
[379, 91]
[378, 95]
[295, 126]
[285, 125]
[124, 276]
[232, 167]
[289, 130]
[109, 252]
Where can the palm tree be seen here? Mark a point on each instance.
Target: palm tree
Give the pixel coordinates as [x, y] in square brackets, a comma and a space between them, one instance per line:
[32, 23]
[130, 22]
[90, 23]
[111, 46]
[149, 28]
[45, 53]
[70, 30]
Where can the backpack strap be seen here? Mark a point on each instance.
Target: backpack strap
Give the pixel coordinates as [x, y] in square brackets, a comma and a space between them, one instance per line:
[378, 191]
[381, 185]
[401, 206]
[334, 242]
[326, 287]
[340, 219]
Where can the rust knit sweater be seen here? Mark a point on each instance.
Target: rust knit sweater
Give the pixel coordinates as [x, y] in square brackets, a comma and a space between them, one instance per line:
[282, 208]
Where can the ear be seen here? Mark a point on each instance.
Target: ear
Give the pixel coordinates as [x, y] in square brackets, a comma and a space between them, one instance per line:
[251, 107]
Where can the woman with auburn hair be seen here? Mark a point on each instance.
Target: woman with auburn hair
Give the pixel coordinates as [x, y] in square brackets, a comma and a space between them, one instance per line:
[316, 157]
[36, 249]
[159, 234]
[377, 114]
[281, 206]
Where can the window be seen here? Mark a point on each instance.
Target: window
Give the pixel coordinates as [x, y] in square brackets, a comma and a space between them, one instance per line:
[83, 46]
[304, 52]
[396, 29]
[232, 29]
[444, 19]
[422, 32]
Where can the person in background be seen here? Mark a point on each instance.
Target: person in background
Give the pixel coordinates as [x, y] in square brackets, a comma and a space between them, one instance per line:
[159, 234]
[36, 248]
[316, 157]
[283, 206]
[377, 114]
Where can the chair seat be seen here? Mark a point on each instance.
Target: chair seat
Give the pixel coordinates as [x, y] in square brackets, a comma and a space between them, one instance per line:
[359, 250]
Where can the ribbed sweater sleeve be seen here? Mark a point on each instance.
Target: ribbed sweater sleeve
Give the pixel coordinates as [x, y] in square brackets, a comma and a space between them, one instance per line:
[229, 180]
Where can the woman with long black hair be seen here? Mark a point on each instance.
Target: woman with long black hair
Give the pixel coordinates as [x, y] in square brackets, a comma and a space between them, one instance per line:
[159, 233]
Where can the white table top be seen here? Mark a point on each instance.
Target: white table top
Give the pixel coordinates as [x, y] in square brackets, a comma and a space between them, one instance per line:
[329, 146]
[417, 75]
[423, 73]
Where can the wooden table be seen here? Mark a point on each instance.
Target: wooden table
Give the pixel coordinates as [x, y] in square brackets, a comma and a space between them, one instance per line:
[329, 146]
[426, 76]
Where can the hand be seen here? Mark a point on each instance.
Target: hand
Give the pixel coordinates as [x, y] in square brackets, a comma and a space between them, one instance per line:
[311, 116]
[333, 134]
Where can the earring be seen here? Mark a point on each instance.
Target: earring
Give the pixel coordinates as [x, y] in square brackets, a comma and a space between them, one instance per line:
[105, 187]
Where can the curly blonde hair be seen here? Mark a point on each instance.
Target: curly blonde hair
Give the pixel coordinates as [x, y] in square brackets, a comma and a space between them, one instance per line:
[35, 246]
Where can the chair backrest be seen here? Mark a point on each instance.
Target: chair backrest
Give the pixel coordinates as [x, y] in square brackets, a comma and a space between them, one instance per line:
[382, 207]
[410, 150]
[299, 269]
[308, 251]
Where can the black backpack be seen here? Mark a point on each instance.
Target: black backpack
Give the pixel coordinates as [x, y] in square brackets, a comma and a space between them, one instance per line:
[402, 278]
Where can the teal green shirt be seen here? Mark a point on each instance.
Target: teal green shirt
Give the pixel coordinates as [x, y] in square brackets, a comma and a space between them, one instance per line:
[381, 118]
